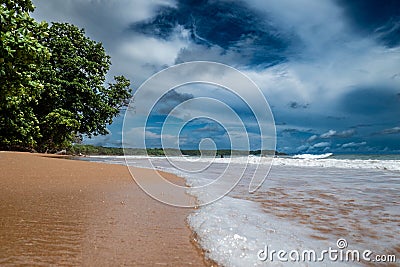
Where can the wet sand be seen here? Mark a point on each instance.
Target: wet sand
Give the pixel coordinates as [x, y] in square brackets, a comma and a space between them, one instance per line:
[57, 211]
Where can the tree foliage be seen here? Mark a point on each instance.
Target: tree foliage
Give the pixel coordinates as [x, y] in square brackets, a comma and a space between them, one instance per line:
[21, 54]
[75, 99]
[52, 82]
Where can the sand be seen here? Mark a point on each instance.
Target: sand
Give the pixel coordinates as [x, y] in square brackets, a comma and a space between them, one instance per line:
[56, 211]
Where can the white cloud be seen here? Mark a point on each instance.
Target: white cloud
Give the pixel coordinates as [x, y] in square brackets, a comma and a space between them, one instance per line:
[328, 134]
[312, 138]
[333, 133]
[99, 17]
[108, 21]
[142, 50]
[393, 130]
[320, 145]
[317, 23]
[353, 144]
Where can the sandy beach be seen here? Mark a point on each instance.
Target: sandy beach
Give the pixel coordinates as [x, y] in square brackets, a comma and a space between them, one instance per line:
[55, 211]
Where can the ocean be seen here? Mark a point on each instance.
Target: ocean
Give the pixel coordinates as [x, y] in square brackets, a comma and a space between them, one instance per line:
[312, 210]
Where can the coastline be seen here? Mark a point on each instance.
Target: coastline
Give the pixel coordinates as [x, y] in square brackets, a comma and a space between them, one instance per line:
[60, 211]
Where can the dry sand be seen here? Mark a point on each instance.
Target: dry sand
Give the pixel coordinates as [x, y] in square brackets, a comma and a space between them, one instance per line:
[65, 212]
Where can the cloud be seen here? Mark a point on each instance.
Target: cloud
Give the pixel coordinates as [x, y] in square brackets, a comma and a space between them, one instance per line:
[302, 148]
[343, 134]
[170, 100]
[290, 130]
[325, 67]
[213, 128]
[151, 51]
[137, 57]
[99, 18]
[157, 140]
[296, 105]
[395, 130]
[109, 140]
[369, 17]
[312, 138]
[353, 144]
[320, 145]
[223, 27]
[378, 100]
[332, 134]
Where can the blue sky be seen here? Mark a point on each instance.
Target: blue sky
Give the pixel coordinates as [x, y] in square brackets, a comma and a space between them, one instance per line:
[330, 70]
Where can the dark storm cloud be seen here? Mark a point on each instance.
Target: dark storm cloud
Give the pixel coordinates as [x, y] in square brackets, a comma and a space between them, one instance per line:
[377, 18]
[229, 25]
[169, 101]
[376, 100]
[211, 128]
[296, 105]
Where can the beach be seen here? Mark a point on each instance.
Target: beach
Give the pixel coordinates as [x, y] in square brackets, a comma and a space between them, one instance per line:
[56, 211]
[348, 203]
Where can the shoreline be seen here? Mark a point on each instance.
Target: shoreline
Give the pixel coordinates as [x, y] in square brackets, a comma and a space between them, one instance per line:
[57, 211]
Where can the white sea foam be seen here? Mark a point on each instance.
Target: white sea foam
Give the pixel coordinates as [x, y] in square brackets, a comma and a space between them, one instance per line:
[313, 156]
[304, 160]
[233, 231]
[391, 165]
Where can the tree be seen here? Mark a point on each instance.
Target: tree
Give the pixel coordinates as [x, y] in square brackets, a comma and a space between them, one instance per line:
[21, 54]
[52, 82]
[75, 100]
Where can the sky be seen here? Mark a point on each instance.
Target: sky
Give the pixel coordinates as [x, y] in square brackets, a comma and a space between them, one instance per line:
[330, 70]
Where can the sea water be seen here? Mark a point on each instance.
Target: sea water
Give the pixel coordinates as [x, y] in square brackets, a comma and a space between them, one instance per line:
[306, 203]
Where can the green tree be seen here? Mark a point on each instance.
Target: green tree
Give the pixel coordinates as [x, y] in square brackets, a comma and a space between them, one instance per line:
[21, 54]
[75, 100]
[52, 82]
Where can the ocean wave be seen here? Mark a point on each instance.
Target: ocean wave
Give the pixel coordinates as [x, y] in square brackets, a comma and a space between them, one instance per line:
[390, 165]
[312, 156]
[305, 160]
[327, 162]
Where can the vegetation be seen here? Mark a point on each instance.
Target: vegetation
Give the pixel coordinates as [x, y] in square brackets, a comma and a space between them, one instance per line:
[117, 151]
[95, 150]
[21, 54]
[53, 83]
